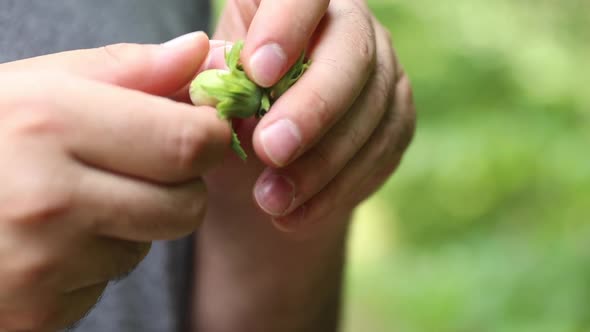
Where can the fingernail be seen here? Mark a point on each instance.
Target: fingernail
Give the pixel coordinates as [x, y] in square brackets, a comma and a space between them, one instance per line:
[182, 39]
[280, 141]
[267, 64]
[216, 56]
[217, 43]
[274, 194]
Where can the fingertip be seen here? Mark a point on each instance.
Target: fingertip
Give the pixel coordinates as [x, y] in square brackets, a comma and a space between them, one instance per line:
[279, 32]
[202, 40]
[267, 64]
[198, 38]
[279, 142]
[220, 129]
[192, 48]
[160, 69]
[214, 43]
[199, 45]
[216, 56]
[206, 138]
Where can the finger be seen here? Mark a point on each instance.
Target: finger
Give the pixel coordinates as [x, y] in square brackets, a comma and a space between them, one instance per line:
[280, 191]
[50, 312]
[384, 149]
[155, 69]
[56, 256]
[235, 19]
[407, 115]
[140, 135]
[215, 60]
[216, 56]
[279, 32]
[342, 63]
[137, 211]
[76, 305]
[98, 260]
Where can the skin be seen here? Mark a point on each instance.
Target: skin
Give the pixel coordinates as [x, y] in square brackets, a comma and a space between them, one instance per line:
[274, 262]
[78, 206]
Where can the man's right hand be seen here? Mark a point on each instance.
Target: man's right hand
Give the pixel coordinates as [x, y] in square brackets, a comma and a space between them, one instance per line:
[95, 163]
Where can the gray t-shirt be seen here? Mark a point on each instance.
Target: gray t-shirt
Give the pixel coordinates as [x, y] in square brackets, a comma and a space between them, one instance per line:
[155, 297]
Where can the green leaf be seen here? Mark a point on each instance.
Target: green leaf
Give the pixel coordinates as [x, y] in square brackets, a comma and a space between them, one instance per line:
[237, 147]
[234, 95]
[290, 78]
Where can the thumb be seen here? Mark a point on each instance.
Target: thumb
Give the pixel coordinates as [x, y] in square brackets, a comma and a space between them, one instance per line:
[155, 69]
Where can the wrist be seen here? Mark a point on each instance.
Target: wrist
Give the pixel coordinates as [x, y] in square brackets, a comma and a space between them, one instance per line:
[274, 280]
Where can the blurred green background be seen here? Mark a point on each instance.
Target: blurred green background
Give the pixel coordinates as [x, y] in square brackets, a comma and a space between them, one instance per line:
[485, 227]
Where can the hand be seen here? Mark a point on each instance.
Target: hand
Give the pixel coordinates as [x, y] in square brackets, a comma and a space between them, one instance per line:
[325, 145]
[93, 170]
[340, 132]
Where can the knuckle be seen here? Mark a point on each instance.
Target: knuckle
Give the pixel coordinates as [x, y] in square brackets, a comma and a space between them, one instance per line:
[34, 118]
[112, 54]
[33, 113]
[407, 133]
[388, 36]
[319, 107]
[246, 9]
[191, 208]
[362, 38]
[383, 144]
[34, 271]
[384, 87]
[356, 137]
[196, 205]
[323, 156]
[383, 32]
[43, 202]
[299, 24]
[407, 125]
[186, 145]
[121, 56]
[383, 149]
[387, 171]
[332, 65]
[367, 47]
[394, 140]
[398, 125]
[118, 54]
[409, 130]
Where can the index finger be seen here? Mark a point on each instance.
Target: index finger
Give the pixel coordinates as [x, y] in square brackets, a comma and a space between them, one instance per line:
[150, 137]
[134, 133]
[341, 65]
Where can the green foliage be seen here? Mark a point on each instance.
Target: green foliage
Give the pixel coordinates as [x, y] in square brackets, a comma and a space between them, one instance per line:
[485, 226]
[235, 95]
[492, 202]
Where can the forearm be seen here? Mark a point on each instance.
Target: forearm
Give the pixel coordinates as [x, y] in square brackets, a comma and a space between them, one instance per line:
[252, 277]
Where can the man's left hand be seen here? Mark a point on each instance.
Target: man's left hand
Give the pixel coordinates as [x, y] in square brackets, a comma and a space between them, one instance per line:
[340, 132]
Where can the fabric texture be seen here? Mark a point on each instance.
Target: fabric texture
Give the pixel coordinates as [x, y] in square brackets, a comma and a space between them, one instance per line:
[32, 27]
[155, 296]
